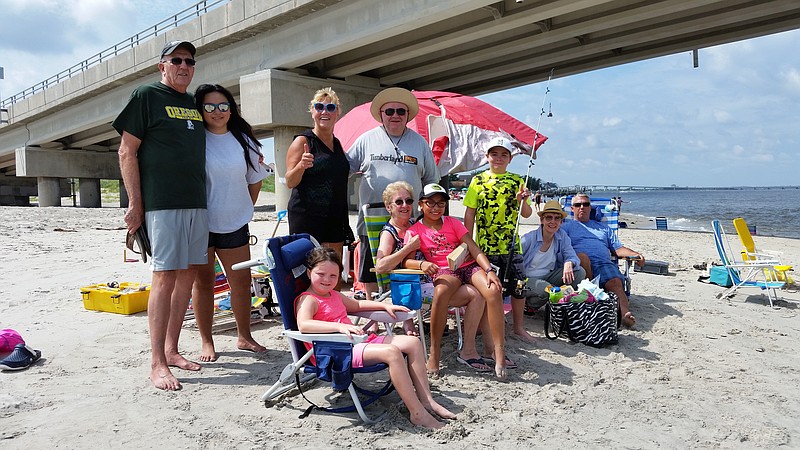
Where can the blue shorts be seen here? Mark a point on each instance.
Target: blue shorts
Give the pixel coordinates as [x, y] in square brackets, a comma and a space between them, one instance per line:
[178, 238]
[606, 270]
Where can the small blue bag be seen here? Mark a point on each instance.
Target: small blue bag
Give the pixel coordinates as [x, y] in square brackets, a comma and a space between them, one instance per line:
[334, 363]
[719, 275]
[406, 290]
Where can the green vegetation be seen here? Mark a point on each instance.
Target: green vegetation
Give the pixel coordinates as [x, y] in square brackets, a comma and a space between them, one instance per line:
[269, 184]
[109, 186]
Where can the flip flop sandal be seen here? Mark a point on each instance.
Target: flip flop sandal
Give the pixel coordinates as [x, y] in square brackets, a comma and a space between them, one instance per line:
[21, 358]
[475, 364]
[509, 363]
[139, 240]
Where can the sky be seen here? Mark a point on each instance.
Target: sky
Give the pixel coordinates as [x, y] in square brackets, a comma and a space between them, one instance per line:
[733, 121]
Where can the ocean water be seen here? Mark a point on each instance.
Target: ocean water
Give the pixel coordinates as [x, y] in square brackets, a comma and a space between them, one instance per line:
[773, 211]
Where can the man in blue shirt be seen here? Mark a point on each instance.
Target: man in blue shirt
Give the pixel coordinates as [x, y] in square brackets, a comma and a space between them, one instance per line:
[594, 241]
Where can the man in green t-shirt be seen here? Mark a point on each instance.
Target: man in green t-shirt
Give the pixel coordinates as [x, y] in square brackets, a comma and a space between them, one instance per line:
[162, 160]
[493, 199]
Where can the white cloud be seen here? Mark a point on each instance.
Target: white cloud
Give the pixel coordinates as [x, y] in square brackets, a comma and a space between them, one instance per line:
[611, 121]
[792, 79]
[721, 116]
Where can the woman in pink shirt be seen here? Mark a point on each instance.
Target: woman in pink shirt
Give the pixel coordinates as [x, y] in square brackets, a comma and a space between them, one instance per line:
[438, 236]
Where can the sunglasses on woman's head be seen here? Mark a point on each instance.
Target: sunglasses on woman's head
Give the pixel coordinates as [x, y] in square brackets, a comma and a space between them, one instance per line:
[330, 107]
[408, 201]
[222, 107]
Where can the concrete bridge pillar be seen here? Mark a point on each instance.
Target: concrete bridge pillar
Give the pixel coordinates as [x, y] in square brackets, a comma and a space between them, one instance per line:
[123, 195]
[49, 191]
[89, 192]
[283, 138]
[278, 101]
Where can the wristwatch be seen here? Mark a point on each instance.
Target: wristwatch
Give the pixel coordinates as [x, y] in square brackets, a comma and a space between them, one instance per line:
[491, 269]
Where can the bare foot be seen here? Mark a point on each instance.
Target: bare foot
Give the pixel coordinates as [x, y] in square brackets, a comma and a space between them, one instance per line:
[500, 370]
[250, 345]
[207, 353]
[177, 360]
[425, 419]
[162, 378]
[433, 368]
[440, 410]
[409, 328]
[523, 335]
[628, 319]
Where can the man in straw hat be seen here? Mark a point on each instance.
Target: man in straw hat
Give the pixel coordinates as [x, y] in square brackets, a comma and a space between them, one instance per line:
[548, 256]
[594, 241]
[388, 153]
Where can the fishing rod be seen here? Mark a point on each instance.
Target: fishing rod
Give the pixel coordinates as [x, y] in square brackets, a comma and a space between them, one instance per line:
[531, 157]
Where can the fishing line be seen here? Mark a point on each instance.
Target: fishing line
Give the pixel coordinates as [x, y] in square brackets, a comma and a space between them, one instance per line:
[531, 157]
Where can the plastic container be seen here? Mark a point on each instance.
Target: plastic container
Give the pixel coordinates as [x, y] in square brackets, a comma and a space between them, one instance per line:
[556, 294]
[128, 298]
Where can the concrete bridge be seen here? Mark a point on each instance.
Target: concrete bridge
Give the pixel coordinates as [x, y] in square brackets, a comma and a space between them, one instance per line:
[273, 54]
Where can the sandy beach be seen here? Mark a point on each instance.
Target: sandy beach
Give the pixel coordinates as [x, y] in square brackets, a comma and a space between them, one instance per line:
[695, 372]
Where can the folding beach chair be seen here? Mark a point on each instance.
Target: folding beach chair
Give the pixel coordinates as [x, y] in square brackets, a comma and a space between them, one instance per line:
[285, 258]
[604, 211]
[744, 273]
[750, 253]
[223, 320]
[661, 223]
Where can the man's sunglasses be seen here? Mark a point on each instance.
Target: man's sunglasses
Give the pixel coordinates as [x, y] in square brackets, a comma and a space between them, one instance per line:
[586, 204]
[330, 107]
[408, 201]
[177, 61]
[390, 111]
[222, 107]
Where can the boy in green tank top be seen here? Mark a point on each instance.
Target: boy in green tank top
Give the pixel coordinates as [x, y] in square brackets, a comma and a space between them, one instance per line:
[492, 202]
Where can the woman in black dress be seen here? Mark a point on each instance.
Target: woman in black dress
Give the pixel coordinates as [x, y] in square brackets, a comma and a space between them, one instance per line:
[317, 171]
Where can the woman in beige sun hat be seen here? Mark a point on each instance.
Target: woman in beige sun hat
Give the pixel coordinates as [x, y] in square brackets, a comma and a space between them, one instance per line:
[548, 257]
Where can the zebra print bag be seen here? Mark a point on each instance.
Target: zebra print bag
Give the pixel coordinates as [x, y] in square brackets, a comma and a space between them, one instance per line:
[591, 323]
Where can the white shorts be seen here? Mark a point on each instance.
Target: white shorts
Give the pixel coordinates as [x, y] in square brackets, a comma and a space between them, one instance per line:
[178, 238]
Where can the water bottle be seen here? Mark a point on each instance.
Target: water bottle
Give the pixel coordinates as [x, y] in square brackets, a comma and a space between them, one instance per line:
[555, 294]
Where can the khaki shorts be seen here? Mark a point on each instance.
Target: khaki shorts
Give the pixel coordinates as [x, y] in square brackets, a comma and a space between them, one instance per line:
[178, 238]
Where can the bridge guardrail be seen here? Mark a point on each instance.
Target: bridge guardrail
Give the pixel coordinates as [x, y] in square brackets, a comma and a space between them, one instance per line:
[170, 22]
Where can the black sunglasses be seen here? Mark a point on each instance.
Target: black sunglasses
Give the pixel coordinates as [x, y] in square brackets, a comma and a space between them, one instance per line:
[177, 61]
[432, 204]
[390, 111]
[330, 107]
[408, 201]
[222, 107]
[586, 204]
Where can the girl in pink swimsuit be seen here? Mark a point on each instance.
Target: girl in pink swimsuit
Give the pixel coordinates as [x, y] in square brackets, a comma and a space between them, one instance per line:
[322, 309]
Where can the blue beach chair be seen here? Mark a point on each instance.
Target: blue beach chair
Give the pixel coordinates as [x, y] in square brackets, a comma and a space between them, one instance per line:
[285, 258]
[604, 211]
[748, 273]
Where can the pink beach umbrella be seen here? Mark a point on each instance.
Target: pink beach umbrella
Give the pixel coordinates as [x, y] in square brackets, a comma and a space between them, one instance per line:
[457, 127]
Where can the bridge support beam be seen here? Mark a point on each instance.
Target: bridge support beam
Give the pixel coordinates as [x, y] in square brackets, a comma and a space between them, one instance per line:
[278, 101]
[49, 189]
[89, 191]
[51, 165]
